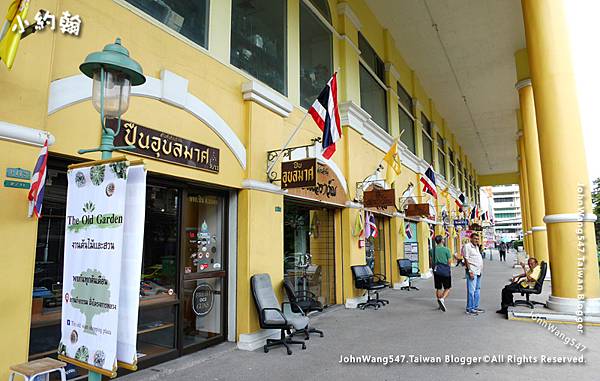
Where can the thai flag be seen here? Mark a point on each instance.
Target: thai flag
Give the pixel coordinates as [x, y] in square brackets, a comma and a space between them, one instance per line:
[408, 232]
[38, 181]
[474, 213]
[432, 231]
[485, 216]
[325, 113]
[371, 227]
[428, 180]
[460, 201]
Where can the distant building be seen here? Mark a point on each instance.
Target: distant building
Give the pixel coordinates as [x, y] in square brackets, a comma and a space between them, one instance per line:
[505, 206]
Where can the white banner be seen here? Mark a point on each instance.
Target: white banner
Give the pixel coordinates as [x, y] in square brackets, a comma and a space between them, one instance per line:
[131, 264]
[95, 221]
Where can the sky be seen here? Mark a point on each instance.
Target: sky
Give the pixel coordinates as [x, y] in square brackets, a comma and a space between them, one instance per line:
[582, 18]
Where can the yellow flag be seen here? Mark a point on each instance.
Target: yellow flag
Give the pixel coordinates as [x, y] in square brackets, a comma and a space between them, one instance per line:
[17, 12]
[394, 165]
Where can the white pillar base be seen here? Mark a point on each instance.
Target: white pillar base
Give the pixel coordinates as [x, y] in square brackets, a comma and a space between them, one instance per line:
[570, 305]
[354, 302]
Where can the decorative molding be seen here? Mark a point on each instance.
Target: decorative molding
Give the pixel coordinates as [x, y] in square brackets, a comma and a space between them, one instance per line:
[393, 71]
[350, 42]
[523, 83]
[262, 186]
[354, 205]
[255, 340]
[255, 91]
[529, 232]
[68, 91]
[571, 305]
[359, 120]
[538, 229]
[24, 135]
[558, 218]
[345, 9]
[354, 302]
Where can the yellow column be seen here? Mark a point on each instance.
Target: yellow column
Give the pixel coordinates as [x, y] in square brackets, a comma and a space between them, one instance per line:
[569, 218]
[523, 194]
[526, 199]
[532, 154]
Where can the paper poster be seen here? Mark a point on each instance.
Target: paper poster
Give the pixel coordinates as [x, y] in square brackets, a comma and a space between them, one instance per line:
[95, 220]
[131, 264]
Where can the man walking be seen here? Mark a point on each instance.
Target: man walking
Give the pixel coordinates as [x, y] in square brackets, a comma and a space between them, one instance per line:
[441, 271]
[502, 249]
[473, 266]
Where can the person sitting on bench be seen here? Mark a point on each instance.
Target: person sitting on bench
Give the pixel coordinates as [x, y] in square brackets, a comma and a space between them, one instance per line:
[518, 283]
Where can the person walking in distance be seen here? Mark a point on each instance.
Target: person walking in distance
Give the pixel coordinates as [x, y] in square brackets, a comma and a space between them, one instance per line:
[502, 249]
[473, 267]
[442, 260]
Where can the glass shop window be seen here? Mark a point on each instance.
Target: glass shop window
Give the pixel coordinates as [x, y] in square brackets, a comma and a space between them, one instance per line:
[258, 40]
[316, 54]
[186, 17]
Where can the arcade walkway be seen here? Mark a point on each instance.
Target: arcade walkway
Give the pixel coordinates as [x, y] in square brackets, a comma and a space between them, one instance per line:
[410, 324]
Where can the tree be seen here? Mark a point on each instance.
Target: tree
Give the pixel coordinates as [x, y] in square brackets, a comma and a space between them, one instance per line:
[91, 296]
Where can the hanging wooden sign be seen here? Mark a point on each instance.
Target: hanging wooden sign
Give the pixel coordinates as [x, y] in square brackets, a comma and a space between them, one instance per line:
[327, 189]
[379, 198]
[417, 210]
[299, 173]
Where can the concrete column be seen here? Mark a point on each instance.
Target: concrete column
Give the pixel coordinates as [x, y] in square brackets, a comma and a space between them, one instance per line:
[532, 154]
[569, 218]
[526, 213]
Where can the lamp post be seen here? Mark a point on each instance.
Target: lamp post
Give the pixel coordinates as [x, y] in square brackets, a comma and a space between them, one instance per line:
[113, 72]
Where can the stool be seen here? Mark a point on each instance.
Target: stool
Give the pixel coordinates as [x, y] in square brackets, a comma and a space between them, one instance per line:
[42, 367]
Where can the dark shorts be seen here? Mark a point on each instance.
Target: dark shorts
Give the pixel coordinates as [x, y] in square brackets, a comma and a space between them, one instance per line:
[442, 281]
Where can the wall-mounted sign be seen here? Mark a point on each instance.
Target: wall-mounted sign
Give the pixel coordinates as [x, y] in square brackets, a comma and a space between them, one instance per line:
[165, 147]
[18, 173]
[16, 184]
[328, 188]
[461, 222]
[203, 299]
[379, 198]
[299, 173]
[418, 210]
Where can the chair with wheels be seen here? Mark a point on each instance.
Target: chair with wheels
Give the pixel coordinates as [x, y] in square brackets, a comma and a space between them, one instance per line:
[406, 269]
[364, 279]
[271, 316]
[303, 301]
[535, 291]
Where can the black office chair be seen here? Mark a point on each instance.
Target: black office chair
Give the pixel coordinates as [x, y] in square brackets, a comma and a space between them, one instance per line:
[364, 279]
[535, 291]
[406, 269]
[303, 301]
[270, 315]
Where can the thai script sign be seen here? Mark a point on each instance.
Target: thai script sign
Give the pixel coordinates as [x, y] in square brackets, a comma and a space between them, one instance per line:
[299, 173]
[379, 198]
[18, 173]
[328, 188]
[162, 146]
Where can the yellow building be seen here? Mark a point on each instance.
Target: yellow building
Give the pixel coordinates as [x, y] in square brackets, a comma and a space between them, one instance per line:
[237, 76]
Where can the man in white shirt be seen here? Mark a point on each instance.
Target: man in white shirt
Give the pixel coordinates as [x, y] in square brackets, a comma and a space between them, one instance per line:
[473, 266]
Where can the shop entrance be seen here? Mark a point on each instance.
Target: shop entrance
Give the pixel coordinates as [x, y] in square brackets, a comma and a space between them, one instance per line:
[375, 245]
[183, 294]
[309, 249]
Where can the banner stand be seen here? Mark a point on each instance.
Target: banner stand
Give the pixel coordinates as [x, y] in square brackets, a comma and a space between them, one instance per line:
[87, 366]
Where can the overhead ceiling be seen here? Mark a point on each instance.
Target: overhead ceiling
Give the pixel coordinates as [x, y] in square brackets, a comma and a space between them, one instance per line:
[480, 38]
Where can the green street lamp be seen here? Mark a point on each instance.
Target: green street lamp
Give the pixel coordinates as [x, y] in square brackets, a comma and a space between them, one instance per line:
[113, 72]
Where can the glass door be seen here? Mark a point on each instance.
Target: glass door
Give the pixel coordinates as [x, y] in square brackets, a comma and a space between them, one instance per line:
[204, 269]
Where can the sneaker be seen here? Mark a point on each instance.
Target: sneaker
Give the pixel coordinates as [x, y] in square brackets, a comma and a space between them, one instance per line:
[439, 304]
[442, 305]
[472, 312]
[479, 310]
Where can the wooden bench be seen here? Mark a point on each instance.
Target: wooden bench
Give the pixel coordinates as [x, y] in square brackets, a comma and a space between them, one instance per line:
[42, 367]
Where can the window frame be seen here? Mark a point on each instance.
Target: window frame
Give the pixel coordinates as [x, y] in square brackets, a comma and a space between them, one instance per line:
[402, 108]
[426, 134]
[372, 72]
[441, 151]
[314, 10]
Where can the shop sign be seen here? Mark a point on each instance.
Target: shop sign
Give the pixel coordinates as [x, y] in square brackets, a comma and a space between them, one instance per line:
[105, 203]
[16, 184]
[461, 222]
[203, 299]
[18, 173]
[299, 173]
[418, 210]
[379, 198]
[165, 147]
[328, 188]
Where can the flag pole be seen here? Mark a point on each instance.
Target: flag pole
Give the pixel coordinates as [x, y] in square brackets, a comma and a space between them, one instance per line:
[270, 167]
